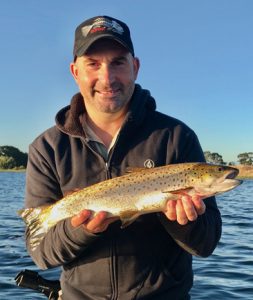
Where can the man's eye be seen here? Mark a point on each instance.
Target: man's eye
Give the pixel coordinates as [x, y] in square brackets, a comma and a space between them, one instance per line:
[92, 64]
[118, 62]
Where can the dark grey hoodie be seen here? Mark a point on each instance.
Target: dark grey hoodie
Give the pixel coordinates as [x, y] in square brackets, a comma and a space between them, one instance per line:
[142, 261]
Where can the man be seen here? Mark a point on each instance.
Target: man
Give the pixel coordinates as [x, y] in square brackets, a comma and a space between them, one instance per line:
[109, 126]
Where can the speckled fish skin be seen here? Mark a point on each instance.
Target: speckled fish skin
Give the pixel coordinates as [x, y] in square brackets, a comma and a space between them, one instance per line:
[138, 192]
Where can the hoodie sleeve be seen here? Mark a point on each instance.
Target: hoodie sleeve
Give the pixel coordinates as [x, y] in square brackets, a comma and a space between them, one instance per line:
[62, 243]
[201, 236]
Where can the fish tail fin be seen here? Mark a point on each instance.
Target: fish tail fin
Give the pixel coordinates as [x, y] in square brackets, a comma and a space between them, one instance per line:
[37, 226]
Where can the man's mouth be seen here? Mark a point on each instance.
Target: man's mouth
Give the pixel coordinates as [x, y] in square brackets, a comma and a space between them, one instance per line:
[109, 93]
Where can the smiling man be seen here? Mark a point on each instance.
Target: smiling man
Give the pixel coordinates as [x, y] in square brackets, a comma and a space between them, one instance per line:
[105, 76]
[111, 125]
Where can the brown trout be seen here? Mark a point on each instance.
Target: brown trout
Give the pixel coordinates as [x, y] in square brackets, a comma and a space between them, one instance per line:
[127, 197]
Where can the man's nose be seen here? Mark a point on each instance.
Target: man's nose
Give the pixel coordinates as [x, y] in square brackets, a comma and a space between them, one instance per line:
[106, 74]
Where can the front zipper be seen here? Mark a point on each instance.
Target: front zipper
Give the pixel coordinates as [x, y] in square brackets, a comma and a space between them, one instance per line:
[113, 252]
[107, 170]
[114, 281]
[107, 164]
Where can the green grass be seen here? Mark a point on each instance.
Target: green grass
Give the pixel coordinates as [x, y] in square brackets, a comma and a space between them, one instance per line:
[13, 170]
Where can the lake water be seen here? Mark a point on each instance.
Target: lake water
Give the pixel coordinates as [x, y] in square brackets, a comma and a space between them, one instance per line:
[226, 275]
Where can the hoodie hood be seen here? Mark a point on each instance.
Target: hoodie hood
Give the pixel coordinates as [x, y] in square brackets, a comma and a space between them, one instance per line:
[68, 119]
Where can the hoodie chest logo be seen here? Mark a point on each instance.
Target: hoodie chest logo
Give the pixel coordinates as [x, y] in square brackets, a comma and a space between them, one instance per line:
[149, 163]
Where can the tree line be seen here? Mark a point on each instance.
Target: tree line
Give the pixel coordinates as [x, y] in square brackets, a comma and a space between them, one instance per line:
[13, 158]
[245, 158]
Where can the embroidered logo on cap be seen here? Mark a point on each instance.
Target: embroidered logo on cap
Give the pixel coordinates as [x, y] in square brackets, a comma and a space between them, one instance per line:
[103, 24]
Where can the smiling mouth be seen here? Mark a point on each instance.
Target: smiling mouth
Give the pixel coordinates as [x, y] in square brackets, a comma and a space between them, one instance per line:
[109, 93]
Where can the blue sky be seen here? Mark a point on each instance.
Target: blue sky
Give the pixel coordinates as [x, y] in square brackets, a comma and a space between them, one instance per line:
[196, 59]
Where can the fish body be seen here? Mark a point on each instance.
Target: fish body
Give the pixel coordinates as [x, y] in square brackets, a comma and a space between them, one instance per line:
[129, 196]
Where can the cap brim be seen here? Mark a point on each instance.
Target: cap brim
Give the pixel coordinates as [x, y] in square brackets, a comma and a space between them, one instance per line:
[82, 50]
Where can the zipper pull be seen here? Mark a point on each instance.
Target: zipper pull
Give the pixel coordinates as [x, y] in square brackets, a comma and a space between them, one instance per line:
[107, 170]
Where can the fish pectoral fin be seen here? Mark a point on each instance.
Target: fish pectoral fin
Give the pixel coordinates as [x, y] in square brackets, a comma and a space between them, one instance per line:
[170, 196]
[173, 195]
[128, 217]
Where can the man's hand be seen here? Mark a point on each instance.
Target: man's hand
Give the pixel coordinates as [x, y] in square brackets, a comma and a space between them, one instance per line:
[185, 209]
[96, 224]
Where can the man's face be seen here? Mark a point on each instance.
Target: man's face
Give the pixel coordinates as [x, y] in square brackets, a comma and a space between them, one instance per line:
[106, 76]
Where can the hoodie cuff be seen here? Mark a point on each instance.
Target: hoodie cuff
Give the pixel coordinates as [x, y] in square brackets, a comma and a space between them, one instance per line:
[78, 235]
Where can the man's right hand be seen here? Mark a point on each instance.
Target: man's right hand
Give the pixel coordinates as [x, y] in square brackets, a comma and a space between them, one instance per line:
[94, 224]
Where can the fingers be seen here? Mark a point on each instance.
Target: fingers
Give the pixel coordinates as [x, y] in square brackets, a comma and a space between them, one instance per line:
[189, 208]
[95, 224]
[81, 218]
[199, 204]
[171, 212]
[185, 209]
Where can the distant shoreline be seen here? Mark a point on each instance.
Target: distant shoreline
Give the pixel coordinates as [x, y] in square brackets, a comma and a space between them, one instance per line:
[13, 170]
[245, 172]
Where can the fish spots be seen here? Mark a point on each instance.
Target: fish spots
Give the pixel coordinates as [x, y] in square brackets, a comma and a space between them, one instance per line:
[133, 194]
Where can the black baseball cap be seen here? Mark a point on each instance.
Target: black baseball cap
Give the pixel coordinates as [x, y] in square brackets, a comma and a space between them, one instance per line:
[101, 27]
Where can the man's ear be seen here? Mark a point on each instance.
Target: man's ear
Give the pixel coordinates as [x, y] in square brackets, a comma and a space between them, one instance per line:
[136, 66]
[74, 70]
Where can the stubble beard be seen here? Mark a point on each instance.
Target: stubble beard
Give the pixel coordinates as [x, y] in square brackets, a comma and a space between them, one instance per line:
[116, 103]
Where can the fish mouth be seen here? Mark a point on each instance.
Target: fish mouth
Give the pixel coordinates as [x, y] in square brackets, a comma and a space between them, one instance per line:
[228, 182]
[232, 173]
